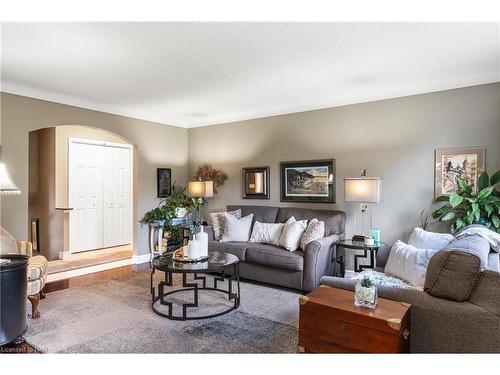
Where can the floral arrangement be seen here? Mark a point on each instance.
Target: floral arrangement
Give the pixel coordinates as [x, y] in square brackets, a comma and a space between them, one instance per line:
[206, 172]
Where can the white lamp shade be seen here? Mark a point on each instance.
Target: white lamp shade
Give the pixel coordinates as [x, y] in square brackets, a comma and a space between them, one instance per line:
[7, 186]
[204, 189]
[363, 190]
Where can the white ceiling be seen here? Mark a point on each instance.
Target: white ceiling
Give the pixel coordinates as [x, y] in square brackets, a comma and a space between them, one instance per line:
[197, 74]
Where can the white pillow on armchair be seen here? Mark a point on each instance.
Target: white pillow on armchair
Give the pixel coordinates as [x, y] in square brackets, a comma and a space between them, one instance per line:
[423, 239]
[409, 263]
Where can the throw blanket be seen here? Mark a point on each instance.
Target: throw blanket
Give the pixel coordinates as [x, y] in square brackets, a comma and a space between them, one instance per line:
[381, 279]
[492, 237]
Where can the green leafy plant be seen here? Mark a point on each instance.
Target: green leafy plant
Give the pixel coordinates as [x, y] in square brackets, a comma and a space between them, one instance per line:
[424, 221]
[366, 282]
[467, 206]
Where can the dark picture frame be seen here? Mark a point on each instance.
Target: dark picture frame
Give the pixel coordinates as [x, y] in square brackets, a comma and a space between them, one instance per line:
[256, 183]
[308, 181]
[163, 182]
[35, 234]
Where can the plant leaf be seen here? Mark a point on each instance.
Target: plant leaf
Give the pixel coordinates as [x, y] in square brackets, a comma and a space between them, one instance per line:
[475, 207]
[483, 181]
[448, 216]
[455, 199]
[485, 192]
[496, 221]
[489, 209]
[495, 178]
[464, 186]
[442, 198]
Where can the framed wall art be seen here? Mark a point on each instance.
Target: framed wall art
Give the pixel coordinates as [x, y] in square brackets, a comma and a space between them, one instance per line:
[256, 183]
[451, 164]
[311, 181]
[163, 182]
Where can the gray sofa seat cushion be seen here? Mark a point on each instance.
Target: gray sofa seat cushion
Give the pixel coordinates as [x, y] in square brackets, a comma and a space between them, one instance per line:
[334, 220]
[452, 275]
[274, 256]
[263, 214]
[235, 248]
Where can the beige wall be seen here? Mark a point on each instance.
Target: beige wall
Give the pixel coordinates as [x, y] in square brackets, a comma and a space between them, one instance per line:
[41, 193]
[156, 145]
[394, 139]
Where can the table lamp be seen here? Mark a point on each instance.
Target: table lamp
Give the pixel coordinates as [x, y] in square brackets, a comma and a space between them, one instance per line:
[200, 189]
[7, 186]
[362, 190]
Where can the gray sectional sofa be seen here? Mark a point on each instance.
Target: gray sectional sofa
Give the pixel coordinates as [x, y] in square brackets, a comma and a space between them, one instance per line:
[465, 318]
[300, 270]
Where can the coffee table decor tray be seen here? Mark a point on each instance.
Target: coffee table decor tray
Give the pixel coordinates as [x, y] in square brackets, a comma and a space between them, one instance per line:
[179, 256]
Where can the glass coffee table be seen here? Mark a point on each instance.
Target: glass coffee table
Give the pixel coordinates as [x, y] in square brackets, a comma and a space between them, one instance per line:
[217, 264]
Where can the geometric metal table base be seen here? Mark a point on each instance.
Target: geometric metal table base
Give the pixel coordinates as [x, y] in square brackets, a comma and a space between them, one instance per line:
[194, 286]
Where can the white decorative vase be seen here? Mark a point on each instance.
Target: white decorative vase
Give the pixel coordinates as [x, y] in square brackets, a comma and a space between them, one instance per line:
[365, 297]
[181, 212]
[202, 237]
[193, 249]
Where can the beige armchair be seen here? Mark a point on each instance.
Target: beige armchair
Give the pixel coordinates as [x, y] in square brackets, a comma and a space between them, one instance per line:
[37, 276]
[37, 268]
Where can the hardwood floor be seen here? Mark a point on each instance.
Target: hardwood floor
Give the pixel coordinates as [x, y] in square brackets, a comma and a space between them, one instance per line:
[90, 258]
[93, 278]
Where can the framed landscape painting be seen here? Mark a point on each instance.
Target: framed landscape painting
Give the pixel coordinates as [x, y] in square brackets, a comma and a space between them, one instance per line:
[308, 181]
[465, 163]
[163, 182]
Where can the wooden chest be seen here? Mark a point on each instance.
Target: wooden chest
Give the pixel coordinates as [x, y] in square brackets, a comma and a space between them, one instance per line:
[330, 323]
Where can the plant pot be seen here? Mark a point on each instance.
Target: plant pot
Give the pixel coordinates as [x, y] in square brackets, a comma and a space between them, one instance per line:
[365, 297]
[181, 212]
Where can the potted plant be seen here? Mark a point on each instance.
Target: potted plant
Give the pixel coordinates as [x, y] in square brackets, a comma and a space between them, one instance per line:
[178, 201]
[365, 293]
[472, 206]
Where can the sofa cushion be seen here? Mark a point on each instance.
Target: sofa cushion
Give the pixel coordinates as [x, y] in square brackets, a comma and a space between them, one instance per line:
[334, 220]
[237, 229]
[274, 256]
[235, 248]
[218, 222]
[473, 244]
[452, 275]
[423, 239]
[264, 214]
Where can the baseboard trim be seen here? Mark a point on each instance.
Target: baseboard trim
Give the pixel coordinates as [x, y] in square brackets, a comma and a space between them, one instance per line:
[139, 259]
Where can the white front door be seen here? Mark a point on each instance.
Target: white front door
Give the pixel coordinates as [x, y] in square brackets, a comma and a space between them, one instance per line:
[100, 194]
[116, 196]
[85, 196]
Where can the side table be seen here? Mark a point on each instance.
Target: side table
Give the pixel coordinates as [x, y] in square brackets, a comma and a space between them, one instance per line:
[368, 252]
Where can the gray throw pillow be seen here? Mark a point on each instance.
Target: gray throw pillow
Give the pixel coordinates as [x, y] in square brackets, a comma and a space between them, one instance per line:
[473, 244]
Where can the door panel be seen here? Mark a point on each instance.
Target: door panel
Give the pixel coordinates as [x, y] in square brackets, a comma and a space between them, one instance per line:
[116, 201]
[85, 196]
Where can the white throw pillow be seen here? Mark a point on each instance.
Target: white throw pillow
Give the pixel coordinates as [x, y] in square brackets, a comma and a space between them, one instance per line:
[409, 263]
[217, 222]
[292, 233]
[314, 231]
[266, 233]
[237, 229]
[422, 239]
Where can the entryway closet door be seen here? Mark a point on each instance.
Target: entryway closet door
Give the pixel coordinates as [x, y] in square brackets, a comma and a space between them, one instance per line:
[85, 196]
[116, 196]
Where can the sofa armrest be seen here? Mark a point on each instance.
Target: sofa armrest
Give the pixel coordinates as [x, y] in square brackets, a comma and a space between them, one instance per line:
[25, 248]
[209, 230]
[318, 260]
[382, 255]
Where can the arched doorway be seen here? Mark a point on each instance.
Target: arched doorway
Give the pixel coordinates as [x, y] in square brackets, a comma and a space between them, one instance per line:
[75, 202]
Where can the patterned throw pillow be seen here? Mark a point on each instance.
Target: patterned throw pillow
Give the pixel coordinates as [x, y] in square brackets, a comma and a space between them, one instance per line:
[314, 231]
[266, 233]
[217, 221]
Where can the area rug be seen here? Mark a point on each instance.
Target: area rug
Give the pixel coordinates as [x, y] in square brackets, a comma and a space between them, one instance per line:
[115, 316]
